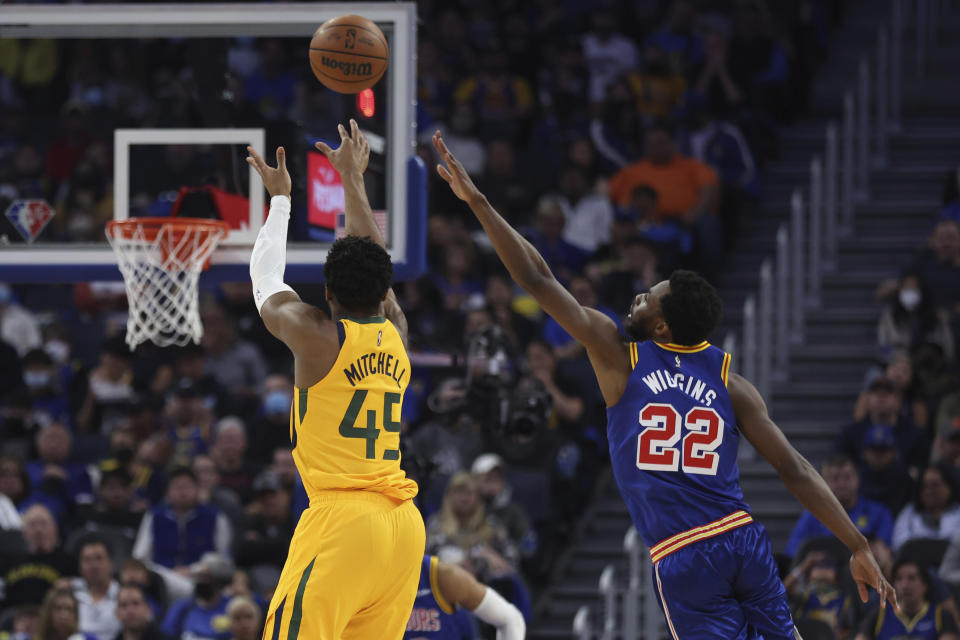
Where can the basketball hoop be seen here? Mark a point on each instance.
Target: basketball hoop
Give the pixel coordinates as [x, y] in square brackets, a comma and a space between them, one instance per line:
[161, 260]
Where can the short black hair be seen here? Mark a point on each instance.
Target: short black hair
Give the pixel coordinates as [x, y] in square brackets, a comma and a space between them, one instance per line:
[692, 308]
[94, 539]
[358, 272]
[182, 471]
[837, 460]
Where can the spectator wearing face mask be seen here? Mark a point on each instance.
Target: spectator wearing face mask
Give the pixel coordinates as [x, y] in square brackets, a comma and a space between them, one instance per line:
[50, 402]
[912, 318]
[272, 427]
[201, 615]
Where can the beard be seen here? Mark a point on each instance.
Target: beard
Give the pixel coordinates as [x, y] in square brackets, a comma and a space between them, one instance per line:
[637, 331]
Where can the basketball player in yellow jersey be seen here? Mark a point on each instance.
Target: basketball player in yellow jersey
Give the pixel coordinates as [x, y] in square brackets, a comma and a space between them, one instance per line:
[354, 560]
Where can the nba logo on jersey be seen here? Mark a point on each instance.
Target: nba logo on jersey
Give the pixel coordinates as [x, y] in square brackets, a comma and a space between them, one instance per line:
[379, 337]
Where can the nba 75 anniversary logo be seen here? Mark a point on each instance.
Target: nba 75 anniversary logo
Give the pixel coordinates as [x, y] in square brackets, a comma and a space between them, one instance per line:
[29, 217]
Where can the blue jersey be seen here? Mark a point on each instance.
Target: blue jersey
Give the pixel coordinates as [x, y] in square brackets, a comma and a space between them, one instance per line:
[673, 443]
[433, 618]
[928, 624]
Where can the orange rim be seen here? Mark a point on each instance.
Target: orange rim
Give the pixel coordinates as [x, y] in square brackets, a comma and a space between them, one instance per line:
[152, 226]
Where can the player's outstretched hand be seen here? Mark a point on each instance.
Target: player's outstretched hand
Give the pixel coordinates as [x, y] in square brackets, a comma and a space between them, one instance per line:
[454, 173]
[866, 571]
[277, 181]
[353, 154]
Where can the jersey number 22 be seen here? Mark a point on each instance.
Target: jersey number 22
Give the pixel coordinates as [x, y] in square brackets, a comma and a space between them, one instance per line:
[657, 444]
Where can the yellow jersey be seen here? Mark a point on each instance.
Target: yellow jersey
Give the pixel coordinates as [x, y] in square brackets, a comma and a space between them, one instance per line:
[345, 429]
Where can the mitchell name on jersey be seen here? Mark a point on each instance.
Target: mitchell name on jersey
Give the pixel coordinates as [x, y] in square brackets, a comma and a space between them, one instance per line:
[368, 364]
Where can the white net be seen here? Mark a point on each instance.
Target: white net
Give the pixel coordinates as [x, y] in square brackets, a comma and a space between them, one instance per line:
[161, 260]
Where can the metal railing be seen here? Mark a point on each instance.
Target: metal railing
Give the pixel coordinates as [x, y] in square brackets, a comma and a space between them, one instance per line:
[791, 281]
[640, 615]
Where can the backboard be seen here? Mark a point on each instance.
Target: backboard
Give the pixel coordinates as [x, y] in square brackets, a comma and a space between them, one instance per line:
[243, 73]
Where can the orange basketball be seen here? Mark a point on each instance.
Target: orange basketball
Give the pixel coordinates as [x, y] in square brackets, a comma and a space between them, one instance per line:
[349, 54]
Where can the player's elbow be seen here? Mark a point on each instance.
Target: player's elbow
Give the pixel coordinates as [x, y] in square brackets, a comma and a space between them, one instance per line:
[515, 627]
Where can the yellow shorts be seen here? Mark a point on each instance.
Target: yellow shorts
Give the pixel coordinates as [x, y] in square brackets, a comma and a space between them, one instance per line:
[352, 571]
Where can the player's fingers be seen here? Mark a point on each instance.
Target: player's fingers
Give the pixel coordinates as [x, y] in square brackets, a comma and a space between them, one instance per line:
[259, 163]
[323, 148]
[892, 596]
[355, 130]
[253, 163]
[442, 170]
[862, 590]
[343, 132]
[281, 159]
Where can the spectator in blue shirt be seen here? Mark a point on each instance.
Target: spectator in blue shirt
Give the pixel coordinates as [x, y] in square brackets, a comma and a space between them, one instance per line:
[176, 533]
[204, 616]
[884, 402]
[562, 342]
[57, 482]
[871, 518]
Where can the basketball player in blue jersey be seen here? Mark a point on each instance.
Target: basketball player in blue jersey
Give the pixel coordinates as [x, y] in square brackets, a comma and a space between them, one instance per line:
[674, 419]
[446, 593]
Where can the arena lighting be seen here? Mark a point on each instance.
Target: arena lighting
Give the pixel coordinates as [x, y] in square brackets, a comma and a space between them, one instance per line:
[366, 103]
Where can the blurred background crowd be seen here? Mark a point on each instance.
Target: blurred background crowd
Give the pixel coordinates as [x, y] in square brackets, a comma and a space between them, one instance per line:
[153, 494]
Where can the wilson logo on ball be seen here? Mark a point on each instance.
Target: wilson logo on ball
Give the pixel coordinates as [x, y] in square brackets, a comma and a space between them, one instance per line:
[361, 69]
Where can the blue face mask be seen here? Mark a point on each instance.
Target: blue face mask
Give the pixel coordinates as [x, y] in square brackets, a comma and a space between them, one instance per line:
[277, 403]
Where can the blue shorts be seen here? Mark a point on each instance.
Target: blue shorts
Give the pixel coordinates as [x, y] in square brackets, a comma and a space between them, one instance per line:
[725, 587]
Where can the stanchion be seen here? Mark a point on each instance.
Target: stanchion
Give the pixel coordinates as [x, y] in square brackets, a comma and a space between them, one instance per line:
[813, 241]
[796, 258]
[782, 340]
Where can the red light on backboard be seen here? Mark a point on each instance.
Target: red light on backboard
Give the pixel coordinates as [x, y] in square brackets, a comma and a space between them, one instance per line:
[366, 103]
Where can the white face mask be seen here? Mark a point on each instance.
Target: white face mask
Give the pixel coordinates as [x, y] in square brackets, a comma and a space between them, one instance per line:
[910, 298]
[57, 350]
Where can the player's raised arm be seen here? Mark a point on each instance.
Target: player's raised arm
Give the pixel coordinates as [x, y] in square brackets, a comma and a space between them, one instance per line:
[460, 588]
[803, 481]
[292, 321]
[350, 160]
[597, 332]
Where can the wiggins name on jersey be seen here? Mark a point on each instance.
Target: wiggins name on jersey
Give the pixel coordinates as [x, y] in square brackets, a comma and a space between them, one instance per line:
[345, 429]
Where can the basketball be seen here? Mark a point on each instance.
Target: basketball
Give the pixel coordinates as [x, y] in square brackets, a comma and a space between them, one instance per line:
[349, 54]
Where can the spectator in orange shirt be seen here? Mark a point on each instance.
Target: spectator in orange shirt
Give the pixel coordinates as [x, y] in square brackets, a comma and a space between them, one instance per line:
[686, 188]
[687, 192]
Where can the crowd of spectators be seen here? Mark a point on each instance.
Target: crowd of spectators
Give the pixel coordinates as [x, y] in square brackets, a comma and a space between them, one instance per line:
[897, 465]
[624, 139]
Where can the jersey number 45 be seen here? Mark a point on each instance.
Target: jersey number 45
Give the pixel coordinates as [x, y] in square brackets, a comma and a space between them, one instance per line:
[657, 444]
